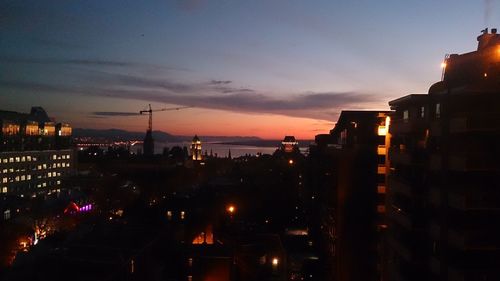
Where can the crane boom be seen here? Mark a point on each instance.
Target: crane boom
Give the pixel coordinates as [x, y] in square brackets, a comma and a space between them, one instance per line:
[150, 111]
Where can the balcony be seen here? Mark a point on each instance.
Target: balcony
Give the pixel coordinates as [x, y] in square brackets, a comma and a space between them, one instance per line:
[407, 126]
[475, 123]
[473, 162]
[474, 199]
[399, 216]
[399, 157]
[400, 187]
[474, 239]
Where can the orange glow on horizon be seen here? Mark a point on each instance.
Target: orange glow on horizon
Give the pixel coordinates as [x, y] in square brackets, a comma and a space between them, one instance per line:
[208, 122]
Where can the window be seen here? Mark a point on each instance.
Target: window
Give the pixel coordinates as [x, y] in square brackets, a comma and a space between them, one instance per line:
[28, 177]
[11, 160]
[18, 159]
[406, 115]
[422, 111]
[23, 159]
[438, 110]
[4, 180]
[5, 160]
[4, 189]
[54, 157]
[28, 158]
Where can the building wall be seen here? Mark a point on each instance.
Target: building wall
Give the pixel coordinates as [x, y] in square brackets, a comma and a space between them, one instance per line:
[30, 173]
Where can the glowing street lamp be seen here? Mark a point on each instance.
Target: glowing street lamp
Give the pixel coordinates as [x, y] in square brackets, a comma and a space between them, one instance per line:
[275, 262]
[290, 161]
[231, 209]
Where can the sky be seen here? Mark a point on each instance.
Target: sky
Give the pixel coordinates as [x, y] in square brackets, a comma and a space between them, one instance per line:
[265, 68]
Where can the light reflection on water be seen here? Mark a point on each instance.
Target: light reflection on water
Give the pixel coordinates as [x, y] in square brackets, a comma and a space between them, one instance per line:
[221, 149]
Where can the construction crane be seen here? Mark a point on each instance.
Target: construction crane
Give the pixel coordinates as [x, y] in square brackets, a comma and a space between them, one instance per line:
[150, 111]
[148, 140]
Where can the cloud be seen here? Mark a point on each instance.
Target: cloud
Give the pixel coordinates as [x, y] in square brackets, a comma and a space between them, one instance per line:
[94, 62]
[219, 82]
[114, 113]
[209, 95]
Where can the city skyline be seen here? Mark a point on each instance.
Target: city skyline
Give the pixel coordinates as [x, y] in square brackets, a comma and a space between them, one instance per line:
[264, 69]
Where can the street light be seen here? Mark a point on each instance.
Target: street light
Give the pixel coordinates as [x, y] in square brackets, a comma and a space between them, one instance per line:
[231, 209]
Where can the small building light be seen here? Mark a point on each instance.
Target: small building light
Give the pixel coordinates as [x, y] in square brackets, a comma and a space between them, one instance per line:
[275, 262]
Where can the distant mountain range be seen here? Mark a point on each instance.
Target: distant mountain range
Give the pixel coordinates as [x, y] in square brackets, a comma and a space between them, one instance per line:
[160, 136]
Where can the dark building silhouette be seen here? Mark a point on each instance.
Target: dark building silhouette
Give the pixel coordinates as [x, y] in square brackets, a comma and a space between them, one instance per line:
[443, 188]
[149, 143]
[352, 161]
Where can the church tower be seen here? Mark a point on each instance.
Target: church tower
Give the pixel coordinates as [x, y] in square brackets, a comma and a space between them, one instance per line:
[196, 149]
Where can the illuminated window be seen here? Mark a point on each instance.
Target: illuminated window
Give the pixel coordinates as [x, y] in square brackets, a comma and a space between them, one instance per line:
[58, 182]
[64, 165]
[67, 156]
[18, 159]
[34, 158]
[381, 189]
[422, 111]
[44, 166]
[54, 165]
[54, 157]
[49, 174]
[5, 171]
[183, 215]
[5, 160]
[67, 164]
[64, 157]
[28, 158]
[11, 160]
[44, 184]
[406, 115]
[4, 189]
[382, 130]
[4, 180]
[28, 177]
[381, 208]
[23, 177]
[438, 110]
[39, 167]
[58, 165]
[17, 178]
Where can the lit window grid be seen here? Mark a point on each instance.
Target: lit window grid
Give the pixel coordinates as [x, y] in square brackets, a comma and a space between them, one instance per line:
[28, 171]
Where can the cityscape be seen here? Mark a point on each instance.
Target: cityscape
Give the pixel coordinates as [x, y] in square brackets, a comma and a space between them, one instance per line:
[128, 170]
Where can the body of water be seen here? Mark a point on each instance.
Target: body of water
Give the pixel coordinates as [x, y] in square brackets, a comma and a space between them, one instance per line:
[220, 149]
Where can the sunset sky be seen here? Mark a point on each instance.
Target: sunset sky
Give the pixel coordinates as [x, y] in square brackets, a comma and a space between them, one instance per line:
[264, 68]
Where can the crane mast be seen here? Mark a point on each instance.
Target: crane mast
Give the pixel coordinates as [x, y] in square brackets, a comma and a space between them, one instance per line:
[148, 139]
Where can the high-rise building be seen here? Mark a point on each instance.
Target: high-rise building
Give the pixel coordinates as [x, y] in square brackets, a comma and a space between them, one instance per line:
[353, 204]
[443, 197]
[35, 153]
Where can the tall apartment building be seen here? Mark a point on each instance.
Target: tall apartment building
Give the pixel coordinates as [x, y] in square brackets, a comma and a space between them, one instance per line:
[443, 199]
[353, 211]
[35, 153]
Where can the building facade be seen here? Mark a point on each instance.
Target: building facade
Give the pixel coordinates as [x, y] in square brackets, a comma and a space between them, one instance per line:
[353, 204]
[443, 197]
[35, 153]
